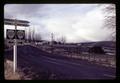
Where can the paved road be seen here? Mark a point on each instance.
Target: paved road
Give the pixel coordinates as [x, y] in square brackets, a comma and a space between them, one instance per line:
[67, 68]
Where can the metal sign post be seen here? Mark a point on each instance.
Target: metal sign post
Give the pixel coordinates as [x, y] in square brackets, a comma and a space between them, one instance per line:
[15, 50]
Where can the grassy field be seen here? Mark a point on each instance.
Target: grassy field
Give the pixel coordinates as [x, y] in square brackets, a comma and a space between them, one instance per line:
[100, 59]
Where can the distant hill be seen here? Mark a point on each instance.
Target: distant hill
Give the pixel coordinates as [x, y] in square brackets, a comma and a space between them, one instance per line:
[100, 43]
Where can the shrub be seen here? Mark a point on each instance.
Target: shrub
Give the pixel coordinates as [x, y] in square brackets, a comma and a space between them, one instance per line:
[96, 49]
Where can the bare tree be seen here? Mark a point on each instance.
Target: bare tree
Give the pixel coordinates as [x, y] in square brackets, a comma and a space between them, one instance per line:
[52, 38]
[38, 37]
[63, 39]
[26, 34]
[33, 34]
[110, 16]
[110, 19]
[30, 34]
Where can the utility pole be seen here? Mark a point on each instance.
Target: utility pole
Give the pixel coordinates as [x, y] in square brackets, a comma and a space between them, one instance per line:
[33, 34]
[52, 37]
[51, 42]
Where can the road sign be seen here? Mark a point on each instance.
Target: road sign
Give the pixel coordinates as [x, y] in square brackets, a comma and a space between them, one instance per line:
[11, 42]
[20, 34]
[18, 22]
[10, 34]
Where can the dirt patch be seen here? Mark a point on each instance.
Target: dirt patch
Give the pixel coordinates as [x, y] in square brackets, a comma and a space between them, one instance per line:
[9, 74]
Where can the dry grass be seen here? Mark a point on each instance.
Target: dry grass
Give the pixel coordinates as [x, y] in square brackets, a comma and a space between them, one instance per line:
[104, 60]
[100, 59]
[31, 75]
[9, 74]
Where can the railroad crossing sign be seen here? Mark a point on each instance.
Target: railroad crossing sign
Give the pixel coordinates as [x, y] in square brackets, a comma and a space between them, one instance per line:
[20, 34]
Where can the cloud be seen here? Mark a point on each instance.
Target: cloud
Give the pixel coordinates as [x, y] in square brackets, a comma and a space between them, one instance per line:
[77, 22]
[78, 27]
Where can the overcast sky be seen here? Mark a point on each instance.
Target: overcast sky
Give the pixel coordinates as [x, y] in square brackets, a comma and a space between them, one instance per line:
[76, 22]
